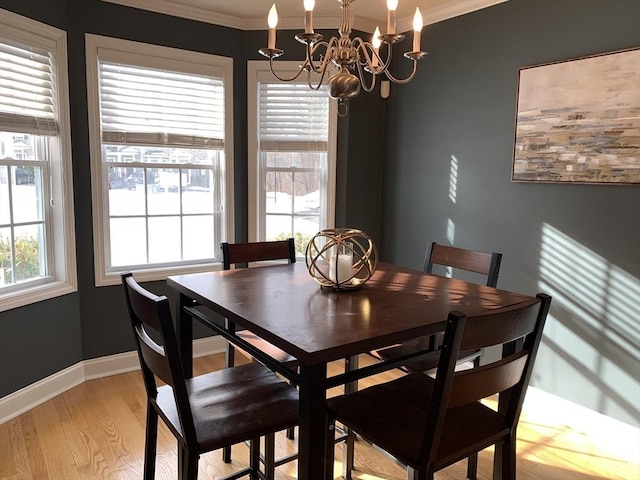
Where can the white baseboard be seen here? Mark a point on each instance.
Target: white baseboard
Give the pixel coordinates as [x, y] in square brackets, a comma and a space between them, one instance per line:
[31, 396]
[39, 392]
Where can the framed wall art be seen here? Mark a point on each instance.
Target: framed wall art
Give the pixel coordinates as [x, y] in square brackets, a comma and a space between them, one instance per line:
[578, 121]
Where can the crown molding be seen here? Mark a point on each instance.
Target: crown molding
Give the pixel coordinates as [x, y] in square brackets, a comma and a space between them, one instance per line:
[445, 12]
[177, 9]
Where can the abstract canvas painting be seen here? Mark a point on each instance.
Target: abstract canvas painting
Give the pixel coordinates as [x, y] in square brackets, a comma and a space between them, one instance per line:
[578, 121]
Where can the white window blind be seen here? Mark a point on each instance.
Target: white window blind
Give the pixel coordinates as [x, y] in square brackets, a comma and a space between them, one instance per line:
[26, 90]
[145, 106]
[292, 117]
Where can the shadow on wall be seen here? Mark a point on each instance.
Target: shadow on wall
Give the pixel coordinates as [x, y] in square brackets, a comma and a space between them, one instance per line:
[593, 329]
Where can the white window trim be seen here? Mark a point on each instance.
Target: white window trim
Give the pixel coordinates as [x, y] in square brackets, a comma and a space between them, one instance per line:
[258, 70]
[63, 278]
[166, 55]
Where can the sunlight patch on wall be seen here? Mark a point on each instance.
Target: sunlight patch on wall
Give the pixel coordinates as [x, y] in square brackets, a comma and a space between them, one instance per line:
[590, 348]
[451, 231]
[453, 179]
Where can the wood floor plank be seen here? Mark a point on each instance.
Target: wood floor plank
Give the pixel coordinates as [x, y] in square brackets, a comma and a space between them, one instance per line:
[59, 459]
[93, 454]
[19, 453]
[33, 446]
[7, 465]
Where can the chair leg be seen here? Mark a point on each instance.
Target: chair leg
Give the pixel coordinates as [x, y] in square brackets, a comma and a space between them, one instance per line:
[182, 452]
[150, 444]
[229, 356]
[348, 459]
[330, 447]
[472, 466]
[226, 454]
[509, 458]
[229, 361]
[504, 459]
[291, 433]
[254, 459]
[189, 465]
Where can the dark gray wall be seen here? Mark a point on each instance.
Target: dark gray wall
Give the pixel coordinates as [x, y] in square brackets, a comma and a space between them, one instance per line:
[360, 169]
[579, 243]
[41, 339]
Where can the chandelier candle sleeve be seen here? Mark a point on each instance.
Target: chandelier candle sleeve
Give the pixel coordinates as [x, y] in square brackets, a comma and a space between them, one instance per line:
[391, 16]
[376, 42]
[417, 30]
[308, 15]
[272, 20]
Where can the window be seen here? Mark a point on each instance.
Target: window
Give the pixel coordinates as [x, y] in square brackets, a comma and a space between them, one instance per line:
[292, 149]
[37, 242]
[161, 149]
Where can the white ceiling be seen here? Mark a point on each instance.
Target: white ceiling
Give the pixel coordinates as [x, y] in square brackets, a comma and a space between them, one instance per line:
[252, 14]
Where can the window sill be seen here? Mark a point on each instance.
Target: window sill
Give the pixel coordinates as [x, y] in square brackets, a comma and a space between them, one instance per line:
[27, 296]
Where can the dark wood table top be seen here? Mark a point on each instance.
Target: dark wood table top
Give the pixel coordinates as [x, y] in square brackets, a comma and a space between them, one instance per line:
[284, 305]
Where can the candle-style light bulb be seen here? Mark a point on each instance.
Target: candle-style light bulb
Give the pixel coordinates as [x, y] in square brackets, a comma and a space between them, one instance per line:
[308, 15]
[272, 20]
[417, 30]
[391, 16]
[376, 41]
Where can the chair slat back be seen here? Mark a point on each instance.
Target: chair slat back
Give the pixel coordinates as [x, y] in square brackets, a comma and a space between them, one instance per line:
[500, 326]
[487, 264]
[162, 360]
[234, 253]
[509, 374]
[154, 356]
[482, 382]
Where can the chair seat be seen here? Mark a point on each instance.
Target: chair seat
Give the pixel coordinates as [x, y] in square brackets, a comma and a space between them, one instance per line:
[234, 404]
[395, 414]
[416, 345]
[266, 347]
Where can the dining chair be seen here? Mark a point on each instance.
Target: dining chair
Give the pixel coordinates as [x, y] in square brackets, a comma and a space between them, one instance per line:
[241, 255]
[487, 267]
[207, 412]
[430, 423]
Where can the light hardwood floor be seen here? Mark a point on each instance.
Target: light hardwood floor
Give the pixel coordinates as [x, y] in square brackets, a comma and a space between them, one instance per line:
[95, 431]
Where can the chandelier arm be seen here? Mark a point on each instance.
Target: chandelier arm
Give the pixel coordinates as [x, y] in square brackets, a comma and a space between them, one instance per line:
[317, 87]
[403, 80]
[361, 74]
[383, 64]
[325, 58]
[363, 47]
[286, 79]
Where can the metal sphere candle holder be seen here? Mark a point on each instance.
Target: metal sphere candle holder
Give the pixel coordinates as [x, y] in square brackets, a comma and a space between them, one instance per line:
[341, 258]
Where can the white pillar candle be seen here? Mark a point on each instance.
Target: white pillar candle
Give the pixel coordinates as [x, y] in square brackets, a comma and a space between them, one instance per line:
[340, 266]
[272, 20]
[417, 30]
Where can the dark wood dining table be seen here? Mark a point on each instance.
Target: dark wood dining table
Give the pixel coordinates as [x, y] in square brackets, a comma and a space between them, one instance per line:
[284, 305]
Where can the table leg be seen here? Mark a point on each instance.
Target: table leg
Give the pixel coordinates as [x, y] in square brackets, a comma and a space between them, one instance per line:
[184, 332]
[311, 439]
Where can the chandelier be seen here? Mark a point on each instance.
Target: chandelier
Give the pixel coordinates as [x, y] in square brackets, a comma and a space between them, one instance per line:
[350, 63]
